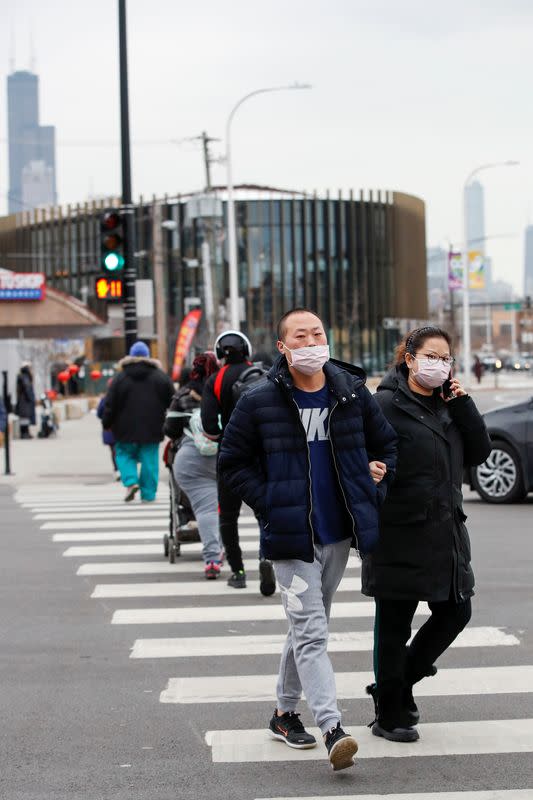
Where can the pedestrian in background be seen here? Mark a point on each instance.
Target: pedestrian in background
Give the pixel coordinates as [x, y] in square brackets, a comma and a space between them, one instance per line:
[478, 369]
[423, 551]
[25, 405]
[310, 451]
[196, 471]
[234, 350]
[107, 435]
[134, 411]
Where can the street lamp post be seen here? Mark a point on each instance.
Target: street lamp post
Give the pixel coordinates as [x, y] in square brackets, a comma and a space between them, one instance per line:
[467, 354]
[232, 235]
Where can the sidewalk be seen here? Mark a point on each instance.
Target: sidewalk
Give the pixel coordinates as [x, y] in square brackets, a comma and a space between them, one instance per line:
[75, 455]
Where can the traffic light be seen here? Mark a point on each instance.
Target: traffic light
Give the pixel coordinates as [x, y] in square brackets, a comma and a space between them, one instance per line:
[109, 289]
[112, 240]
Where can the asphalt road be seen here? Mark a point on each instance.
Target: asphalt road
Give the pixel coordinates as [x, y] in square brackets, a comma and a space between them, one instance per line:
[81, 719]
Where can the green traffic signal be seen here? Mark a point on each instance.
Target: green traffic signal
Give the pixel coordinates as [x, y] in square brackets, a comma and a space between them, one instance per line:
[113, 261]
[112, 240]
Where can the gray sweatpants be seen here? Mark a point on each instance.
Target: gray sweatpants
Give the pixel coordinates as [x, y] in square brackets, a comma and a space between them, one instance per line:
[307, 592]
[197, 476]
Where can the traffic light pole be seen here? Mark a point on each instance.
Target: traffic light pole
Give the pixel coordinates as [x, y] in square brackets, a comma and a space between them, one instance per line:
[127, 209]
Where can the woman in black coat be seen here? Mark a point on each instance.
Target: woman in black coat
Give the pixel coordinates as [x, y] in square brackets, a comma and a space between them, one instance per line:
[25, 407]
[424, 550]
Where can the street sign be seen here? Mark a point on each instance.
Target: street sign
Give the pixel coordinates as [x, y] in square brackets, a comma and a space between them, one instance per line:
[22, 285]
[109, 289]
[512, 306]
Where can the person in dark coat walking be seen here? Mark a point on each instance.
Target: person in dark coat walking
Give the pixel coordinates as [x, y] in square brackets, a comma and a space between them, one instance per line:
[25, 407]
[107, 435]
[302, 449]
[218, 402]
[134, 411]
[424, 550]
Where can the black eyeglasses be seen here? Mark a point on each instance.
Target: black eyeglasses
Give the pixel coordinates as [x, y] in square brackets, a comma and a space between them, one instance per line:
[432, 358]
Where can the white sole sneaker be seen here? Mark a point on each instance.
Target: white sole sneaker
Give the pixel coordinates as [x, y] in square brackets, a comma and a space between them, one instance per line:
[281, 738]
[342, 753]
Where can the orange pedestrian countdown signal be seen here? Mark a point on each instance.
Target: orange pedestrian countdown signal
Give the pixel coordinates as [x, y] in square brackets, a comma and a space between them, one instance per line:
[109, 289]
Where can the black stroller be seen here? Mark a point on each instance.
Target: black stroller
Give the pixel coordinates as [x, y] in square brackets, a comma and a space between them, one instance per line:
[183, 528]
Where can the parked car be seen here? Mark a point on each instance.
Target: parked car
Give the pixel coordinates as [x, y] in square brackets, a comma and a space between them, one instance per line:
[507, 474]
[519, 364]
[491, 363]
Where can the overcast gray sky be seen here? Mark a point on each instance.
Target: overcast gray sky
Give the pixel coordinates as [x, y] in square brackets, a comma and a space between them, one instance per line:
[408, 96]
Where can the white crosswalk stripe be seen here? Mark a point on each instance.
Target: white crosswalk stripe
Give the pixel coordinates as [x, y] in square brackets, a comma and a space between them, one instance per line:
[192, 589]
[183, 614]
[439, 738]
[141, 549]
[270, 644]
[124, 536]
[127, 537]
[350, 685]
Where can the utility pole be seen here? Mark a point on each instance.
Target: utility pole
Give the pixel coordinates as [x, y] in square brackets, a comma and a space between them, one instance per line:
[159, 284]
[208, 159]
[7, 405]
[127, 210]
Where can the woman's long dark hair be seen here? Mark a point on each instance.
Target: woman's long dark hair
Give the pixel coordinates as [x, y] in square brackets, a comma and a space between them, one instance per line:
[415, 340]
[203, 366]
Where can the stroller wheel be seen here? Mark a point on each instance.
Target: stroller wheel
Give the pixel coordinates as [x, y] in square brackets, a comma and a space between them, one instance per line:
[174, 551]
[165, 545]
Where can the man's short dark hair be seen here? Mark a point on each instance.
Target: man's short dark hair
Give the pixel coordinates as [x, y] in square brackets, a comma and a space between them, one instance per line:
[282, 323]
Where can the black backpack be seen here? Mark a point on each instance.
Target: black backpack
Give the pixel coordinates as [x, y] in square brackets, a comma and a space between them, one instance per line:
[251, 376]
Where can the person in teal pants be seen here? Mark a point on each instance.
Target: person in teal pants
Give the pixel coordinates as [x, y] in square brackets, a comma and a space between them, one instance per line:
[134, 410]
[129, 455]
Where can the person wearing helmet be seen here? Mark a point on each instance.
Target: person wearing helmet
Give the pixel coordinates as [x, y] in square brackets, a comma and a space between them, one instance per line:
[234, 349]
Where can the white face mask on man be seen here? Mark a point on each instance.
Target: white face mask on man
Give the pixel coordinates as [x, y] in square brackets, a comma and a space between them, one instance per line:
[308, 360]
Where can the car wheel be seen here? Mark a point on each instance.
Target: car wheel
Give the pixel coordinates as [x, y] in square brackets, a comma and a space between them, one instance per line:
[499, 479]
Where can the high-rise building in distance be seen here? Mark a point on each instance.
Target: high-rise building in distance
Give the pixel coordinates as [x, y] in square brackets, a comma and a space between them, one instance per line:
[475, 216]
[32, 169]
[528, 263]
[475, 227]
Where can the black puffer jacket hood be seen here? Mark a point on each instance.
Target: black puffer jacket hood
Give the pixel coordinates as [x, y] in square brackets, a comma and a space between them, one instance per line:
[138, 366]
[137, 400]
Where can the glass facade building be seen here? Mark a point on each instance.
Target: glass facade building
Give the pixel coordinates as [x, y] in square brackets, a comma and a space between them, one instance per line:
[360, 261]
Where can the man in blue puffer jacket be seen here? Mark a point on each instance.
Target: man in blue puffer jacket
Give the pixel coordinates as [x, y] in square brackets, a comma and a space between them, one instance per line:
[312, 454]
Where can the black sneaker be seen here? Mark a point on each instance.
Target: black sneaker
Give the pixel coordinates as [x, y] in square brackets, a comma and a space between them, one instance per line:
[395, 734]
[267, 582]
[341, 748]
[413, 714]
[130, 494]
[290, 730]
[237, 580]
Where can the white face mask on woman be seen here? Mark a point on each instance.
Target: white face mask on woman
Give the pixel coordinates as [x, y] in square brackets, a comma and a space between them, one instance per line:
[430, 375]
[309, 360]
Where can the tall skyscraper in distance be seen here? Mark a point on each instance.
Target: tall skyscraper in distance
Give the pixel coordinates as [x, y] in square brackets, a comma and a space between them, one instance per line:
[32, 168]
[528, 262]
[475, 226]
[475, 216]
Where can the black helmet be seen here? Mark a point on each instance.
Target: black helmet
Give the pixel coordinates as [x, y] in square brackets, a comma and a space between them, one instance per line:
[233, 346]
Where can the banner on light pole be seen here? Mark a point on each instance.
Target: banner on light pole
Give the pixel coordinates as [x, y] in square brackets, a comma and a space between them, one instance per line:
[476, 270]
[455, 271]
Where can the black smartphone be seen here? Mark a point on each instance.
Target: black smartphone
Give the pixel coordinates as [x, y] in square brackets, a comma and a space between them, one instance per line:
[447, 388]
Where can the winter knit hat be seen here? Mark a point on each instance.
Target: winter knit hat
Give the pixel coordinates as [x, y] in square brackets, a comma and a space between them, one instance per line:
[139, 349]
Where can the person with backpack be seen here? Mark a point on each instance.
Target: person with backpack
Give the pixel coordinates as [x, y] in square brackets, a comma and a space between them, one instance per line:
[194, 465]
[220, 397]
[134, 411]
[310, 451]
